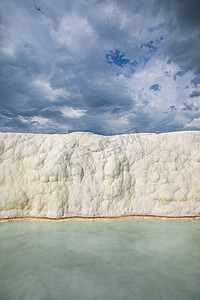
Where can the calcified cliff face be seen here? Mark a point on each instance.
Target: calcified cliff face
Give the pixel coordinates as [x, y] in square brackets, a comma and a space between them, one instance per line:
[82, 174]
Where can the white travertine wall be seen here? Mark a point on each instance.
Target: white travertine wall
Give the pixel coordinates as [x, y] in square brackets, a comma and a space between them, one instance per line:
[82, 174]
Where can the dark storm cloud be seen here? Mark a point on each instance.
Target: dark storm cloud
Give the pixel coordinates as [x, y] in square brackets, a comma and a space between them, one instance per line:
[92, 65]
[195, 94]
[182, 43]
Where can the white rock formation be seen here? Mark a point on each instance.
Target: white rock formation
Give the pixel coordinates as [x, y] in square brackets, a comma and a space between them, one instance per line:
[82, 174]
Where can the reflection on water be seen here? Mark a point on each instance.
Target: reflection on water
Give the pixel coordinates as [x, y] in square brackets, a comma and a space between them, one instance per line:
[123, 259]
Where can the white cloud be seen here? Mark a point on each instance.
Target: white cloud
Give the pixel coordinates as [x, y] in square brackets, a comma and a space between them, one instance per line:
[69, 112]
[74, 32]
[8, 51]
[24, 120]
[47, 91]
[40, 120]
[194, 124]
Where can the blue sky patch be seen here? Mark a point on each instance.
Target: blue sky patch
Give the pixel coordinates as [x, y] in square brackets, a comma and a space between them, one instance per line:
[172, 108]
[149, 45]
[155, 87]
[117, 57]
[38, 8]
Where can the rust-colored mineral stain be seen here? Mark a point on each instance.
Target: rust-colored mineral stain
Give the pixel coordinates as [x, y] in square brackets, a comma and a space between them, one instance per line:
[182, 218]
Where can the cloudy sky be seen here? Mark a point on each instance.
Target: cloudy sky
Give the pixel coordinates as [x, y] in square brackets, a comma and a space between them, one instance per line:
[108, 67]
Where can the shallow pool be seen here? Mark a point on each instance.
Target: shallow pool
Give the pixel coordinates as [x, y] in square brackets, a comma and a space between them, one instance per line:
[123, 259]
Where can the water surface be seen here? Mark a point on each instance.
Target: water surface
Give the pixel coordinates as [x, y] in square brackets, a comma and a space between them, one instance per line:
[123, 259]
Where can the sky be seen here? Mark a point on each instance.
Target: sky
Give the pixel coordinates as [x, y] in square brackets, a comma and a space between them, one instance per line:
[108, 67]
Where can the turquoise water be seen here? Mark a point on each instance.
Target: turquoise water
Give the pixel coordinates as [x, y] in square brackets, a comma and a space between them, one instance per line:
[123, 259]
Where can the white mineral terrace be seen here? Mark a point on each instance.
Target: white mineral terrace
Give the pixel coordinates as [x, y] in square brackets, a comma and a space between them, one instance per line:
[86, 175]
